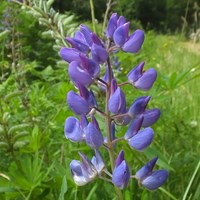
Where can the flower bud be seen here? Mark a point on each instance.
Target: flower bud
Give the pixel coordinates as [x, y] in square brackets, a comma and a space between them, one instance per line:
[121, 34]
[134, 43]
[94, 138]
[112, 25]
[150, 117]
[139, 106]
[134, 127]
[73, 130]
[151, 180]
[78, 45]
[70, 54]
[99, 54]
[98, 162]
[77, 103]
[121, 172]
[142, 139]
[87, 34]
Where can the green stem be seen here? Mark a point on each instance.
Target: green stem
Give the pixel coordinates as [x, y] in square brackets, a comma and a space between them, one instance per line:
[106, 15]
[93, 16]
[108, 121]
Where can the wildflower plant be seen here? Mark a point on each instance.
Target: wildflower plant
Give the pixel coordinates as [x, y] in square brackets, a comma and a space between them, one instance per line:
[87, 55]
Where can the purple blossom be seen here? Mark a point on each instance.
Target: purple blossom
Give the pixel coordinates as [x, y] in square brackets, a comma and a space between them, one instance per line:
[121, 173]
[149, 178]
[87, 55]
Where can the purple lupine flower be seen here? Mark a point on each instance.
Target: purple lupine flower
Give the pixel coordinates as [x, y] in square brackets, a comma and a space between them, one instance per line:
[99, 54]
[70, 54]
[151, 180]
[78, 74]
[83, 72]
[134, 127]
[142, 139]
[73, 130]
[112, 25]
[78, 45]
[136, 73]
[121, 172]
[120, 35]
[155, 180]
[87, 34]
[96, 40]
[98, 162]
[87, 95]
[94, 137]
[138, 106]
[121, 20]
[117, 101]
[134, 43]
[142, 80]
[77, 103]
[82, 172]
[150, 117]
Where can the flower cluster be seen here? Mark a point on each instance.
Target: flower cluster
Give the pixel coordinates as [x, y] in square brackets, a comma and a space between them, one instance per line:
[87, 55]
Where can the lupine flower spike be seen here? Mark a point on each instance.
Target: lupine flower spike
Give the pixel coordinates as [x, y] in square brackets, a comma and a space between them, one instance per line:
[86, 56]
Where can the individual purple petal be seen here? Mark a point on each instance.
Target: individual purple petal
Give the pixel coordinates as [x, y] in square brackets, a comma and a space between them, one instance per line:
[134, 43]
[98, 162]
[120, 35]
[78, 45]
[87, 34]
[73, 130]
[146, 81]
[146, 169]
[134, 127]
[119, 158]
[94, 138]
[95, 39]
[121, 21]
[90, 66]
[77, 173]
[121, 175]
[155, 180]
[83, 122]
[117, 102]
[113, 86]
[135, 73]
[88, 169]
[142, 139]
[150, 117]
[139, 106]
[78, 104]
[112, 25]
[78, 74]
[80, 37]
[99, 54]
[95, 123]
[69, 54]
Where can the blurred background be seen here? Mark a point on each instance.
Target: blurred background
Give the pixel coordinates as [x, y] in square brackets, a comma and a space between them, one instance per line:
[34, 152]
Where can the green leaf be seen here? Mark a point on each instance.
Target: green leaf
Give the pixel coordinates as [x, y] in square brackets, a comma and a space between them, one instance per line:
[63, 189]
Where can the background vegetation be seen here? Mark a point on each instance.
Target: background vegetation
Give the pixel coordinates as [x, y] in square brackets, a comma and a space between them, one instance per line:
[34, 153]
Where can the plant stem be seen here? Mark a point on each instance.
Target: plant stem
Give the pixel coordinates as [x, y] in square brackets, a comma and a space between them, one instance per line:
[108, 121]
[106, 15]
[92, 15]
